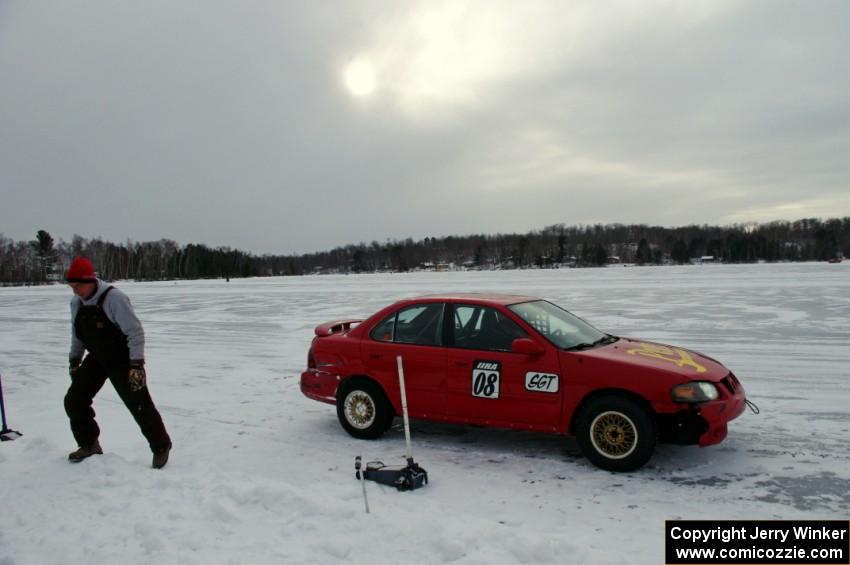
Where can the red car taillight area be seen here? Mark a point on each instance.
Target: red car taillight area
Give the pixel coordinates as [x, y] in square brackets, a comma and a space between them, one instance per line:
[323, 374]
[319, 359]
[325, 362]
[320, 380]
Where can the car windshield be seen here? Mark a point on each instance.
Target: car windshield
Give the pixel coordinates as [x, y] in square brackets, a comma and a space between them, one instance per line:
[559, 326]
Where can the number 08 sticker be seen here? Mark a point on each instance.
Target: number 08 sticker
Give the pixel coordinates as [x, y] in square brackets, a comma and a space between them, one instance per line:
[485, 379]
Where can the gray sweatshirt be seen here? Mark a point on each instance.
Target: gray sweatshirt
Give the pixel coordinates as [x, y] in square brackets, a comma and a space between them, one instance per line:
[119, 311]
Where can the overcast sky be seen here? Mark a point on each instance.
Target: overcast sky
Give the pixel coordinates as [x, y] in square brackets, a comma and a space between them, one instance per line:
[280, 127]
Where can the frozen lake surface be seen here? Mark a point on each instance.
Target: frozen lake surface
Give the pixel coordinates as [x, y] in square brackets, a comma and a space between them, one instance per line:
[260, 474]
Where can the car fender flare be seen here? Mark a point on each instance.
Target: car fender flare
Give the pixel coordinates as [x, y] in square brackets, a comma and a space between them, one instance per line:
[362, 377]
[594, 394]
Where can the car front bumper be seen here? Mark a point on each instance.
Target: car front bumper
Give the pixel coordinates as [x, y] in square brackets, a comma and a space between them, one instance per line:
[717, 415]
[704, 424]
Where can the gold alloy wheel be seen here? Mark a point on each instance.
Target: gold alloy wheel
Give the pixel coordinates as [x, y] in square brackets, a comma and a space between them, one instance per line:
[613, 435]
[359, 409]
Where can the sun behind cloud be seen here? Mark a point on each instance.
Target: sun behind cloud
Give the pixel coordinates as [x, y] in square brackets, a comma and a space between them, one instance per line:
[360, 77]
[433, 59]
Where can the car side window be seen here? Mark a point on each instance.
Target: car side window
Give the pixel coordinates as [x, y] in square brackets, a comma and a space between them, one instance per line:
[421, 324]
[481, 327]
[385, 330]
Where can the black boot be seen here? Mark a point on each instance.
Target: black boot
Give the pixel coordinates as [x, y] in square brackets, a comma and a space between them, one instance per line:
[160, 457]
[85, 451]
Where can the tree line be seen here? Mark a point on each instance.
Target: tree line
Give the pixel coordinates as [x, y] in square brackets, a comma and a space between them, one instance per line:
[44, 259]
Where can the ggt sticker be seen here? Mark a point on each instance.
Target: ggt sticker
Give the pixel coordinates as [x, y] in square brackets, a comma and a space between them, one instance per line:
[541, 382]
[485, 379]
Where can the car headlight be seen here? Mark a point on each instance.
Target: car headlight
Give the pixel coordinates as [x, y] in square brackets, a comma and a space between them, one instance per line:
[697, 391]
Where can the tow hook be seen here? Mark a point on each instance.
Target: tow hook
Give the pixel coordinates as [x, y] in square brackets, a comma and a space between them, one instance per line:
[752, 406]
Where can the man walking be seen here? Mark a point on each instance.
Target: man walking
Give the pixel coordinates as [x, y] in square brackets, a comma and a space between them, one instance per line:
[104, 323]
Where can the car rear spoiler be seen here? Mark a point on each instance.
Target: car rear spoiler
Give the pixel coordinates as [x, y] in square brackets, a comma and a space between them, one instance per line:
[338, 326]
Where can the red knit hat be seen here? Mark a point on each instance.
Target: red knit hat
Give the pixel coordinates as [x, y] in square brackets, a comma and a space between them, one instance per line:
[81, 270]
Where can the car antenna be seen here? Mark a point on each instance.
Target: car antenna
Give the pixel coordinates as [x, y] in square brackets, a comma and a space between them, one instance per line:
[409, 477]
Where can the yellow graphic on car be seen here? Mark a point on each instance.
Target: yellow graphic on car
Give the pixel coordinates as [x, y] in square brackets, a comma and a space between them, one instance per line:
[673, 354]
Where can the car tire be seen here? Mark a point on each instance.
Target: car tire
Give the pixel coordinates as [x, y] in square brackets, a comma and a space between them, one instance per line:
[363, 409]
[616, 433]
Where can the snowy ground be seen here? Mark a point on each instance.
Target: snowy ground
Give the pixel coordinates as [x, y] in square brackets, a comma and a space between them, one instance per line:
[259, 474]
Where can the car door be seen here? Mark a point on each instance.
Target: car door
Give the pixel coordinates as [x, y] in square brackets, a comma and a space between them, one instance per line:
[416, 334]
[487, 383]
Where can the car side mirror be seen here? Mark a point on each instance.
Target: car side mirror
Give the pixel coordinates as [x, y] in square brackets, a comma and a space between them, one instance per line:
[527, 346]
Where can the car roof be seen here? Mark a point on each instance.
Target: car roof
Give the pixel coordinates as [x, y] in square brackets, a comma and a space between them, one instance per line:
[478, 297]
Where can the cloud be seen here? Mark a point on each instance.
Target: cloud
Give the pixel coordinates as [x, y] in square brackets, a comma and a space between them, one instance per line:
[822, 207]
[297, 126]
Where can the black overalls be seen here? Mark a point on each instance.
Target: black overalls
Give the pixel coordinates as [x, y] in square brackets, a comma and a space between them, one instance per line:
[109, 357]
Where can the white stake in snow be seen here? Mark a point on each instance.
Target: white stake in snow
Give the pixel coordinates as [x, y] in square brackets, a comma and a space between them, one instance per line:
[362, 473]
[408, 453]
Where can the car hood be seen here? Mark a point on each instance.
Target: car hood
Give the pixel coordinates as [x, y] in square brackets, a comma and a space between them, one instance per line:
[653, 356]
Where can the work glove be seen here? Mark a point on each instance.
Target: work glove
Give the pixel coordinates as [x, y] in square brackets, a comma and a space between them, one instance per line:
[136, 376]
[73, 365]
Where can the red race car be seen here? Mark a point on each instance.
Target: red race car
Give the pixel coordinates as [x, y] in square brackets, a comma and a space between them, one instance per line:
[523, 363]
